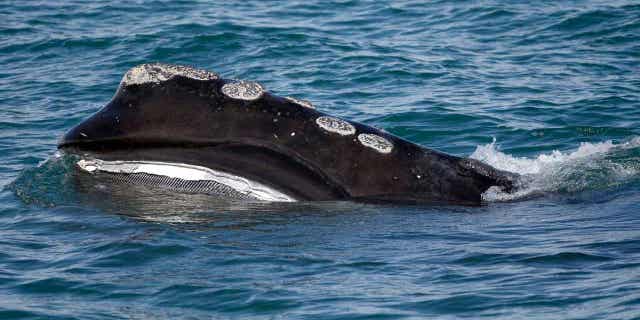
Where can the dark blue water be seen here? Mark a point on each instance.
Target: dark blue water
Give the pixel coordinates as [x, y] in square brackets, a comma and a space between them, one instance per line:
[556, 84]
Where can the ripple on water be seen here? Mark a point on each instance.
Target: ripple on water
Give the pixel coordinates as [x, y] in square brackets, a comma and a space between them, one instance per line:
[554, 83]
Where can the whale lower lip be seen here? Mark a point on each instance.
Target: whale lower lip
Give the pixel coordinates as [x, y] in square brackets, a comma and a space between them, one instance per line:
[184, 177]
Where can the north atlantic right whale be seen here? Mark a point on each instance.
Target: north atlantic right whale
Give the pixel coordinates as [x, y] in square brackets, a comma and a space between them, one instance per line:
[191, 130]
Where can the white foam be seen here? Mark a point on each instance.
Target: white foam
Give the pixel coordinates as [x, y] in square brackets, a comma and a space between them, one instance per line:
[588, 167]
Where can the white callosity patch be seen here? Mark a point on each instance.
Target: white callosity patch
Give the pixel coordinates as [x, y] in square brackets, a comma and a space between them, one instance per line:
[375, 142]
[336, 125]
[591, 166]
[158, 72]
[243, 90]
[304, 103]
[187, 172]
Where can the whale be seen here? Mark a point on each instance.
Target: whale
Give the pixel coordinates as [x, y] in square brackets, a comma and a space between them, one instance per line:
[191, 130]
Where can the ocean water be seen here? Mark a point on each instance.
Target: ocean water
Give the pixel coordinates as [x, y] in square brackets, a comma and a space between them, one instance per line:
[547, 89]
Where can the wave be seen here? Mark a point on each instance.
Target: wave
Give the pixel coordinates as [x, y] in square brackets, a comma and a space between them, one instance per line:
[592, 166]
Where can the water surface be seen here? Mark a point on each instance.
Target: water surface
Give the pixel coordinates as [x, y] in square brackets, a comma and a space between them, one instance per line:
[546, 89]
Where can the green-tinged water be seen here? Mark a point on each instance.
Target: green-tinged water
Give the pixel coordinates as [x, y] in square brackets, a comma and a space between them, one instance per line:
[550, 90]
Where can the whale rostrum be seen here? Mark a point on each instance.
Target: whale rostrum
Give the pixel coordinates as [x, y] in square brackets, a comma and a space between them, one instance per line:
[187, 124]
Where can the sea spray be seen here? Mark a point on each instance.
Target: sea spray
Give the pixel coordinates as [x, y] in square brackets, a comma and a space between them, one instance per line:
[591, 166]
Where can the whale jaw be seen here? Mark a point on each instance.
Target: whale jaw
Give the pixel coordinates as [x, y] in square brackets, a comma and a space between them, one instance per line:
[183, 177]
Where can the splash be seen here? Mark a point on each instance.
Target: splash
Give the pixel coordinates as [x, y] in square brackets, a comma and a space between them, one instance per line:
[48, 184]
[592, 166]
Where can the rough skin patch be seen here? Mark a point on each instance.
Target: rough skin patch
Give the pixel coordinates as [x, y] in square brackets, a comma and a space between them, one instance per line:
[335, 125]
[243, 90]
[158, 72]
[304, 103]
[375, 142]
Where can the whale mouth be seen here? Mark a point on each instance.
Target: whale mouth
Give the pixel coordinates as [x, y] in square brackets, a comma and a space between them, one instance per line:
[181, 177]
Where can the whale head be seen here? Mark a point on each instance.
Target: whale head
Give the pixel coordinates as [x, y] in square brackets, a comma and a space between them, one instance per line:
[169, 119]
